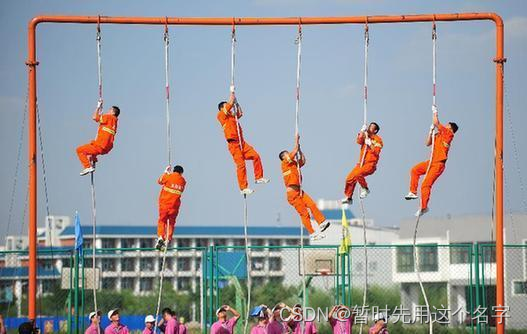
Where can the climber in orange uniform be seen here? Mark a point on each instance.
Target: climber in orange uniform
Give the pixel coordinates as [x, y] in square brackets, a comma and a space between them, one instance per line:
[443, 136]
[228, 115]
[103, 144]
[173, 184]
[371, 146]
[298, 198]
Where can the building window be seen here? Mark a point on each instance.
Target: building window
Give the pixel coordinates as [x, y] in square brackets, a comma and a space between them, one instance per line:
[146, 284]
[197, 264]
[258, 243]
[202, 242]
[109, 283]
[292, 242]
[48, 285]
[459, 254]
[46, 264]
[108, 243]
[238, 242]
[128, 264]
[257, 264]
[108, 265]
[428, 258]
[275, 264]
[220, 242]
[146, 264]
[87, 262]
[405, 259]
[275, 243]
[184, 283]
[168, 263]
[127, 283]
[184, 243]
[519, 288]
[183, 264]
[488, 254]
[86, 243]
[127, 243]
[146, 243]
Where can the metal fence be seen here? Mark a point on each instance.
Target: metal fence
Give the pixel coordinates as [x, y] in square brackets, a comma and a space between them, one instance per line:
[459, 280]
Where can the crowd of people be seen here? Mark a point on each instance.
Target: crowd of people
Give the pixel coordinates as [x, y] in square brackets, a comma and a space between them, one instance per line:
[281, 319]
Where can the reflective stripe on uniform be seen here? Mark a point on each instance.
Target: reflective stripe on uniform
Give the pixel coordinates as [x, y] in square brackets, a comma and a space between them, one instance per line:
[287, 173]
[110, 131]
[445, 144]
[172, 191]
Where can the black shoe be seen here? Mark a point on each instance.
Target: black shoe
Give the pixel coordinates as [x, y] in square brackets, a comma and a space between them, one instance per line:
[324, 226]
[347, 200]
[160, 245]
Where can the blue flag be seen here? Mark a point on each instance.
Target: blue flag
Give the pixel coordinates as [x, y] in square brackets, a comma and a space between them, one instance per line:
[78, 233]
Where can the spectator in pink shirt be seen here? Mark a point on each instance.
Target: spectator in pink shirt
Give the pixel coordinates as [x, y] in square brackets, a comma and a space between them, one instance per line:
[149, 324]
[182, 327]
[170, 320]
[3, 329]
[341, 319]
[224, 326]
[95, 326]
[115, 327]
[277, 325]
[297, 321]
[380, 326]
[263, 314]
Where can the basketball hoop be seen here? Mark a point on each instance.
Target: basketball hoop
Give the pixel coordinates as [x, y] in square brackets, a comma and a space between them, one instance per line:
[324, 271]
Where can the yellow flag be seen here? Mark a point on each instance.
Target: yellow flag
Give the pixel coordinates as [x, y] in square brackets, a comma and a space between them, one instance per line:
[346, 240]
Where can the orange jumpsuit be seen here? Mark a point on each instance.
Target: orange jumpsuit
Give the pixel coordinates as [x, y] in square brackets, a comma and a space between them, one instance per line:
[442, 141]
[169, 202]
[298, 198]
[102, 144]
[239, 154]
[368, 167]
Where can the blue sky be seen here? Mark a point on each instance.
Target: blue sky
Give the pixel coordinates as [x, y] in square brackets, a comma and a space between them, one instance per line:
[331, 107]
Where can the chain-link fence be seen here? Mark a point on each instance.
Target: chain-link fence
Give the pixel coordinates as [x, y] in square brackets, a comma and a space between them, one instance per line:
[459, 280]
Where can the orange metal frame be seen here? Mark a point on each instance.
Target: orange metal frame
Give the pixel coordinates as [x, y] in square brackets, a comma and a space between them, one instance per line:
[32, 63]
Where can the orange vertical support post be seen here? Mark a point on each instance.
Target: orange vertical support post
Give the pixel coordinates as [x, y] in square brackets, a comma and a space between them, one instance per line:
[500, 256]
[32, 151]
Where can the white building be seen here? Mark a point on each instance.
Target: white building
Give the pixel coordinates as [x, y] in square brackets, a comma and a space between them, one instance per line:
[455, 243]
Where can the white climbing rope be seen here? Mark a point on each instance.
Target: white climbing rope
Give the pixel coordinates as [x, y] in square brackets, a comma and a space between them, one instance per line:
[92, 178]
[166, 39]
[298, 158]
[235, 109]
[166, 42]
[363, 213]
[415, 253]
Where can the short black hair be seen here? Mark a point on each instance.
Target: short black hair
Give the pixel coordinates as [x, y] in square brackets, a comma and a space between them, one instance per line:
[26, 328]
[167, 310]
[220, 105]
[116, 110]
[280, 155]
[454, 126]
[376, 126]
[178, 169]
